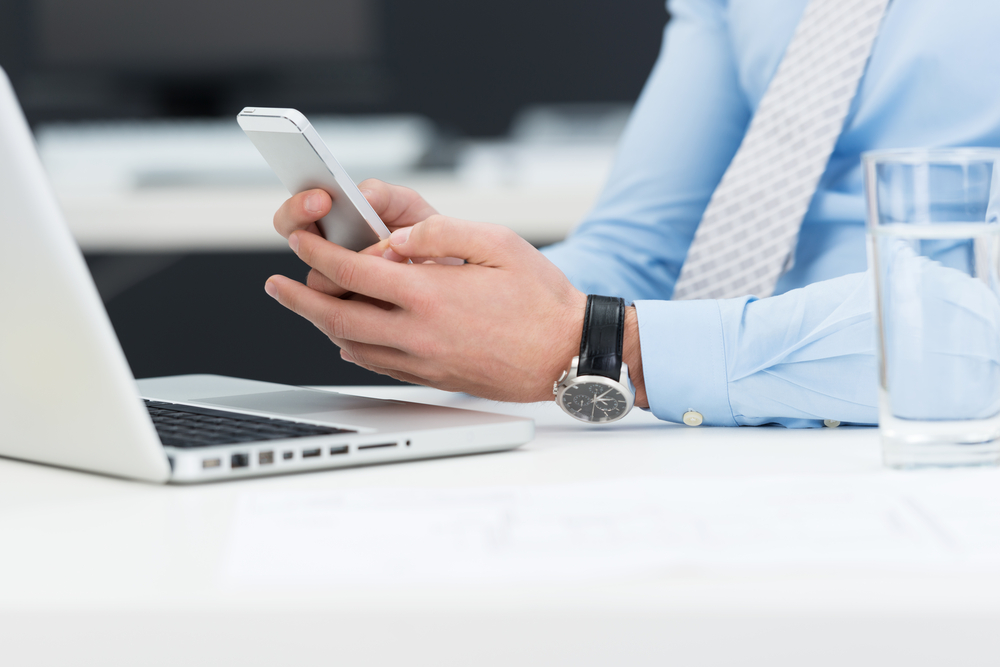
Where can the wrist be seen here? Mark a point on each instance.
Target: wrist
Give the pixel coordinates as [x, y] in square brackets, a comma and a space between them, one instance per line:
[562, 348]
[632, 356]
[597, 388]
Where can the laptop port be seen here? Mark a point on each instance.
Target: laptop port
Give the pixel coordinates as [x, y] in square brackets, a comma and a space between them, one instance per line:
[340, 449]
[265, 458]
[311, 453]
[377, 445]
[239, 461]
[288, 456]
[211, 463]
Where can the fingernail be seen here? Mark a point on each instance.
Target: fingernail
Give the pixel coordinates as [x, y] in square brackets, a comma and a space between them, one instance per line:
[271, 289]
[400, 236]
[293, 242]
[367, 194]
[314, 203]
[346, 357]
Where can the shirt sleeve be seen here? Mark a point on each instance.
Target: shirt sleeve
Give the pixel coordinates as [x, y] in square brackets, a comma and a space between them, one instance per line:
[685, 129]
[809, 354]
[793, 359]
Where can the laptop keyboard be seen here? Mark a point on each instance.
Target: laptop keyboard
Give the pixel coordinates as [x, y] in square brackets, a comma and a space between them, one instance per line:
[186, 427]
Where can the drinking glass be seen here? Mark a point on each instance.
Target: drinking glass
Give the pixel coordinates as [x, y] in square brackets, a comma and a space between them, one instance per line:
[934, 245]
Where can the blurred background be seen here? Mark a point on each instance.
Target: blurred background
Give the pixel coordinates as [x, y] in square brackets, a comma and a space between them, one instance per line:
[502, 112]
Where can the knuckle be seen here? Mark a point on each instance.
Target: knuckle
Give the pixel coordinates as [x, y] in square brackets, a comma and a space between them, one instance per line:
[422, 304]
[508, 242]
[424, 348]
[317, 281]
[362, 356]
[280, 216]
[506, 236]
[436, 224]
[288, 214]
[408, 193]
[304, 251]
[346, 273]
[336, 324]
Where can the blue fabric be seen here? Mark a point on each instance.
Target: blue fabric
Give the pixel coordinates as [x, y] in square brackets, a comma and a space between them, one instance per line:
[807, 353]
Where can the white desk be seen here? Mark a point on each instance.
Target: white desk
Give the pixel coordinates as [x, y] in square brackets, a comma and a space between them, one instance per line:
[98, 571]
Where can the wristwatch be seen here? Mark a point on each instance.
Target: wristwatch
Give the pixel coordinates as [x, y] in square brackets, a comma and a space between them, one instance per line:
[596, 388]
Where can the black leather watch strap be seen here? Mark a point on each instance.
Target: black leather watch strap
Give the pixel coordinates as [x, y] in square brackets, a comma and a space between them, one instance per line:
[603, 337]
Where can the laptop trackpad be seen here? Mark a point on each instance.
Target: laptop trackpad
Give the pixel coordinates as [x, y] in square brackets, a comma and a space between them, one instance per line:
[295, 402]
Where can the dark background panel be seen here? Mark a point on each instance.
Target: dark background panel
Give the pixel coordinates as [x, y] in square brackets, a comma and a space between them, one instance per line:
[208, 313]
[194, 35]
[469, 66]
[472, 65]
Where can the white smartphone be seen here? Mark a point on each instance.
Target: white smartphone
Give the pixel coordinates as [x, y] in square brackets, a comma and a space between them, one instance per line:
[302, 161]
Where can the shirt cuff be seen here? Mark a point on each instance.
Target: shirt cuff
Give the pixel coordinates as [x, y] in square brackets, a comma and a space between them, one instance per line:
[684, 360]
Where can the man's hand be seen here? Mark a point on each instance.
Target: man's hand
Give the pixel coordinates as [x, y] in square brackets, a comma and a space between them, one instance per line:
[503, 326]
[397, 206]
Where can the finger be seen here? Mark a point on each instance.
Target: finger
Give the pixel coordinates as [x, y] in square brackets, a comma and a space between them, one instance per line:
[317, 281]
[398, 206]
[440, 236]
[354, 272]
[396, 375]
[384, 359]
[339, 319]
[392, 255]
[301, 212]
[396, 363]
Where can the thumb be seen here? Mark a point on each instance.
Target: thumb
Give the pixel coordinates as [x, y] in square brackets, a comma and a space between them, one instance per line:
[441, 238]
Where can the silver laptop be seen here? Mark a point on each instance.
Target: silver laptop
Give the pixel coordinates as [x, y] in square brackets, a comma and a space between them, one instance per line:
[68, 398]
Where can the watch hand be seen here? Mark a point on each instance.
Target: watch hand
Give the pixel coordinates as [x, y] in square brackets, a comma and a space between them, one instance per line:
[604, 394]
[593, 407]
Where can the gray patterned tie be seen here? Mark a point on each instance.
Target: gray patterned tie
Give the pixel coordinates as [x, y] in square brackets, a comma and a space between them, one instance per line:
[746, 238]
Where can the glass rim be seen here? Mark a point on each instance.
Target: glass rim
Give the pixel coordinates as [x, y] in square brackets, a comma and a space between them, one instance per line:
[931, 155]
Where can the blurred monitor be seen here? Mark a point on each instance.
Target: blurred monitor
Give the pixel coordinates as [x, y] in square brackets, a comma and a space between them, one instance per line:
[469, 66]
[120, 58]
[197, 37]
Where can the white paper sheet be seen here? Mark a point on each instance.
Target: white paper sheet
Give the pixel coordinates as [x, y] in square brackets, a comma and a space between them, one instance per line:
[614, 529]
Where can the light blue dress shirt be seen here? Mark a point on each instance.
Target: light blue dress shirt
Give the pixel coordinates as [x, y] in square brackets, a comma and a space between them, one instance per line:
[807, 353]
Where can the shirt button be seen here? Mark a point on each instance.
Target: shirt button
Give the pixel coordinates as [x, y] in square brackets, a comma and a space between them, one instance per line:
[692, 418]
[831, 423]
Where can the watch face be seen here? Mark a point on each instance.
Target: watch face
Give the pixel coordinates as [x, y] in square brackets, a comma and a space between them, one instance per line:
[594, 402]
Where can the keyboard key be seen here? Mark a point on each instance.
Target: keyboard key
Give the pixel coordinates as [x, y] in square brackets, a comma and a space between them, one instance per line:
[187, 426]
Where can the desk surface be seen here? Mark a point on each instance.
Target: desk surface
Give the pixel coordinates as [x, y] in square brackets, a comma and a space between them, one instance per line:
[96, 570]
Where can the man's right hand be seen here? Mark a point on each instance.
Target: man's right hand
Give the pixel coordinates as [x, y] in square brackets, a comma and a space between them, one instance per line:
[396, 205]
